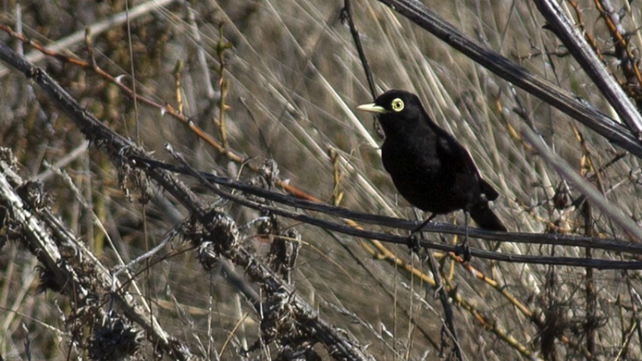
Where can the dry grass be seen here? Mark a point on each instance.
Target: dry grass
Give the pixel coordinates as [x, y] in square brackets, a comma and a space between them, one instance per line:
[294, 83]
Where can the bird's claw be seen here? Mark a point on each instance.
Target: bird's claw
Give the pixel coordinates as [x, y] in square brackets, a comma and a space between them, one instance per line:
[464, 251]
[413, 243]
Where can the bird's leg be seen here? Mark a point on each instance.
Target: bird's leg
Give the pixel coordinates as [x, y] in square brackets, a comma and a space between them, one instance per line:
[412, 241]
[463, 249]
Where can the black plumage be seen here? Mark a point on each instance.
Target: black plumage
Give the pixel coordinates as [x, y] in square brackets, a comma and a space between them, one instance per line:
[428, 166]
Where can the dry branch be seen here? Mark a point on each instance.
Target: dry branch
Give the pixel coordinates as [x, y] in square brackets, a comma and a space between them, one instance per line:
[519, 76]
[219, 237]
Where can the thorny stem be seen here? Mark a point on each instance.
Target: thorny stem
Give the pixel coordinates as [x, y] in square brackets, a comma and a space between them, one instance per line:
[177, 79]
[221, 47]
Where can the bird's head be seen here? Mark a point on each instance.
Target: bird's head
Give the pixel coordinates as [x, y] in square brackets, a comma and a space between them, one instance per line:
[397, 110]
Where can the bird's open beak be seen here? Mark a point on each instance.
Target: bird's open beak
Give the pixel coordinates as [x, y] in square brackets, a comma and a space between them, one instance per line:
[372, 108]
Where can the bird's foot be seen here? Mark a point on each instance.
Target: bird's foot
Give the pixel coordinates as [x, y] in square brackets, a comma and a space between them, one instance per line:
[464, 251]
[413, 242]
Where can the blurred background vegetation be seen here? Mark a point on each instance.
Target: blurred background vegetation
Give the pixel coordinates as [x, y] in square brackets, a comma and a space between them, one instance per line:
[291, 79]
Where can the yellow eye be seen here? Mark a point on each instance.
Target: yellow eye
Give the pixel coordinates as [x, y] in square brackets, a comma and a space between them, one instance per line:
[397, 105]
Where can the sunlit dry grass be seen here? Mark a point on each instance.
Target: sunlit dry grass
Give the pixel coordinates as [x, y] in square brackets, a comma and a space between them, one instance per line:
[294, 82]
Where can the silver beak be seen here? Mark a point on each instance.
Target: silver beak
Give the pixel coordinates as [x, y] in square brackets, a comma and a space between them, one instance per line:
[372, 108]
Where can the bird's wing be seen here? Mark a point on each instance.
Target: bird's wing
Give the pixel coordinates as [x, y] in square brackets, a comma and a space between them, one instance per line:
[457, 157]
[488, 190]
[454, 155]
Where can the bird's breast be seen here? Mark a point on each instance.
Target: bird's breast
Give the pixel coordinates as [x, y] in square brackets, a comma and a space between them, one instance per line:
[420, 175]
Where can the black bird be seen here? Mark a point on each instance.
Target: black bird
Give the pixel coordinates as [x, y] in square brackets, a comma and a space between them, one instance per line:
[429, 167]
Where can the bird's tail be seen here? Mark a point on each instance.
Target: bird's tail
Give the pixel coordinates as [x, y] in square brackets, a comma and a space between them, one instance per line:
[486, 218]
